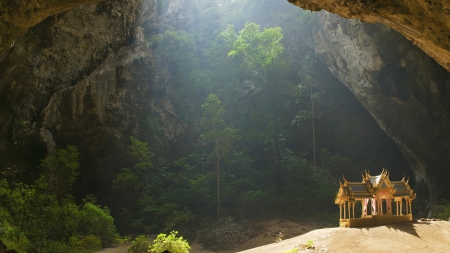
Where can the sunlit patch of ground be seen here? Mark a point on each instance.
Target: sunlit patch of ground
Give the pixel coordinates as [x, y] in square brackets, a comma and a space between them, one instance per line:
[432, 236]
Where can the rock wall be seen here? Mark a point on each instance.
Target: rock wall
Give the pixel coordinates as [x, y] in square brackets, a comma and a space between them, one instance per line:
[401, 87]
[17, 16]
[84, 77]
[425, 22]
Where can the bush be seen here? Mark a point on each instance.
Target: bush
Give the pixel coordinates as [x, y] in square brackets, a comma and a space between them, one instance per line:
[97, 221]
[171, 243]
[443, 210]
[141, 244]
[87, 244]
[43, 216]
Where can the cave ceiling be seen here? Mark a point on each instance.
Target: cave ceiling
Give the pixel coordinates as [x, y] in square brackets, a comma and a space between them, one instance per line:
[425, 22]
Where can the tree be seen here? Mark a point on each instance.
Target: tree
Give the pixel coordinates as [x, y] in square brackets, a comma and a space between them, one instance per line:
[307, 74]
[59, 170]
[261, 52]
[42, 217]
[218, 134]
[138, 190]
[260, 49]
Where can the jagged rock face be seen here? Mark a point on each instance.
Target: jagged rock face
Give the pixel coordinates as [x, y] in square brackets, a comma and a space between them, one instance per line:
[425, 22]
[404, 90]
[17, 16]
[84, 77]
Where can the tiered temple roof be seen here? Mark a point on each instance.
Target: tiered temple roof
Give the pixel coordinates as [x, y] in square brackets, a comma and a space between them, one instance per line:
[402, 189]
[370, 185]
[380, 192]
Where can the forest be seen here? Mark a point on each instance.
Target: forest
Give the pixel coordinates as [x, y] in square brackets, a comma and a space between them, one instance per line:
[253, 100]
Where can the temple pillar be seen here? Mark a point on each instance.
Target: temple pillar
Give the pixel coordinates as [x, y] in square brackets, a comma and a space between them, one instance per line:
[410, 207]
[381, 206]
[406, 206]
[354, 204]
[345, 214]
[348, 207]
[401, 206]
[340, 211]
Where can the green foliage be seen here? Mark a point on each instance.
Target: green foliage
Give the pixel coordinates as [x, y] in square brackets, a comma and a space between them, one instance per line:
[212, 115]
[337, 165]
[144, 206]
[42, 217]
[309, 245]
[131, 185]
[94, 220]
[179, 218]
[59, 170]
[141, 153]
[216, 133]
[260, 168]
[170, 242]
[443, 210]
[293, 250]
[86, 244]
[176, 49]
[260, 49]
[140, 244]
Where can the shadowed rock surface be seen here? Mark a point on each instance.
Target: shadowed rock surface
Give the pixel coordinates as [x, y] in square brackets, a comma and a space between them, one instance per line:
[425, 22]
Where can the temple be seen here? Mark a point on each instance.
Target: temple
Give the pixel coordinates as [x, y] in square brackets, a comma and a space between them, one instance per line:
[376, 194]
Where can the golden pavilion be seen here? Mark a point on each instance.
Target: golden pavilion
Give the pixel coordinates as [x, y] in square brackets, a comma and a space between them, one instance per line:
[376, 194]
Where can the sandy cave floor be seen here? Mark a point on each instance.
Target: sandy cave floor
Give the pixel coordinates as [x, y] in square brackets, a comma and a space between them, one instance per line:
[432, 236]
[429, 236]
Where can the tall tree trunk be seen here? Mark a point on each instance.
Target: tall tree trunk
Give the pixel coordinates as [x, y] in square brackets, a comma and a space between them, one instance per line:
[279, 175]
[218, 175]
[218, 188]
[313, 132]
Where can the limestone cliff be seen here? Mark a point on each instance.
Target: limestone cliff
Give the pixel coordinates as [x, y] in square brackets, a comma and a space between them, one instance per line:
[17, 16]
[404, 90]
[425, 22]
[84, 77]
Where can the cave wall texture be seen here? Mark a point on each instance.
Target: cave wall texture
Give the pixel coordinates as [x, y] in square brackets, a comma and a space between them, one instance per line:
[74, 61]
[400, 86]
[84, 77]
[425, 22]
[17, 16]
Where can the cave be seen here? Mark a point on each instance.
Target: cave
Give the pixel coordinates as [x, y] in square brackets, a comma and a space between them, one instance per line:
[96, 74]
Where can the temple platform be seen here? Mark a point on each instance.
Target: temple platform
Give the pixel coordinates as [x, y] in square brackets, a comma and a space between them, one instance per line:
[374, 220]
